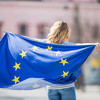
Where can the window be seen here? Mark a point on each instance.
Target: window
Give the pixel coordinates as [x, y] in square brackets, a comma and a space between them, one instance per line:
[98, 1]
[95, 31]
[23, 29]
[0, 30]
[26, 0]
[41, 31]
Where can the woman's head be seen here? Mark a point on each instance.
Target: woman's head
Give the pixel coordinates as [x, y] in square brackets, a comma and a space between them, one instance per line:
[59, 32]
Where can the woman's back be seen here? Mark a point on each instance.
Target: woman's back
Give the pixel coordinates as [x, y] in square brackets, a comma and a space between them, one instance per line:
[60, 86]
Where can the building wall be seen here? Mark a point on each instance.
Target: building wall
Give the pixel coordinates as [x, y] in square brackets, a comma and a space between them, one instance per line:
[78, 1]
[32, 14]
[81, 1]
[38, 17]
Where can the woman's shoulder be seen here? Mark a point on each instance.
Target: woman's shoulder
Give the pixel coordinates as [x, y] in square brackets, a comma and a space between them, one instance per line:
[43, 40]
[68, 43]
[64, 43]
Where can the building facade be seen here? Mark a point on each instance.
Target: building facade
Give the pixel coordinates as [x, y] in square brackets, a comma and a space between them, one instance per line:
[34, 18]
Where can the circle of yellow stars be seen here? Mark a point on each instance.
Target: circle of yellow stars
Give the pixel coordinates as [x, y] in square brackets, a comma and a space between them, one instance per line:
[35, 48]
[35, 85]
[58, 53]
[16, 79]
[63, 61]
[49, 48]
[17, 66]
[23, 54]
[65, 74]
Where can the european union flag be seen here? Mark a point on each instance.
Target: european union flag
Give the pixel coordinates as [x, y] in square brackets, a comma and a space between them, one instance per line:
[28, 64]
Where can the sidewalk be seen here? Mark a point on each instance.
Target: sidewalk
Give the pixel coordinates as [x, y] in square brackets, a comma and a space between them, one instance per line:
[92, 93]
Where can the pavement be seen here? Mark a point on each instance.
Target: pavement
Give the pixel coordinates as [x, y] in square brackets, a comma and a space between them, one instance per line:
[90, 93]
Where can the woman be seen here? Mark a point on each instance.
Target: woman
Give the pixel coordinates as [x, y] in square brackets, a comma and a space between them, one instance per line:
[59, 34]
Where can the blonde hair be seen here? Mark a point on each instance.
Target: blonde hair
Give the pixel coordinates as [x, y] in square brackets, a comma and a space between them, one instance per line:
[59, 33]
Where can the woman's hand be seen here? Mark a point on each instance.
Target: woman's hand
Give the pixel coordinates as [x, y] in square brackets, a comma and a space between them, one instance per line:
[98, 46]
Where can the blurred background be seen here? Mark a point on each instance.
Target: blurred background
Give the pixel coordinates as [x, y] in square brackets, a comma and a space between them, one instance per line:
[34, 18]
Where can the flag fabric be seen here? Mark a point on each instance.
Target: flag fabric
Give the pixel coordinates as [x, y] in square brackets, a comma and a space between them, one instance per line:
[27, 64]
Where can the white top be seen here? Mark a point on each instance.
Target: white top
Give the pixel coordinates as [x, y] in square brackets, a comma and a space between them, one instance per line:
[56, 86]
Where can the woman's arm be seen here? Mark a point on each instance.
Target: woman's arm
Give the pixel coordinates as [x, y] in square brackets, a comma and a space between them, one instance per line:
[25, 36]
[41, 40]
[97, 45]
[33, 38]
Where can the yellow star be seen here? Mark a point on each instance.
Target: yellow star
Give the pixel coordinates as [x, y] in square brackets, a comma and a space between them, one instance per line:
[23, 53]
[16, 66]
[16, 79]
[35, 48]
[58, 52]
[63, 61]
[49, 48]
[65, 74]
[35, 85]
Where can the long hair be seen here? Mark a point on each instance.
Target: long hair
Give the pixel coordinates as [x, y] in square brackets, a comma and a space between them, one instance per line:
[59, 33]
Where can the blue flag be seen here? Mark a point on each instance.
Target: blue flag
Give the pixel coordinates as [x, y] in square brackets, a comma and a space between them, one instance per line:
[27, 64]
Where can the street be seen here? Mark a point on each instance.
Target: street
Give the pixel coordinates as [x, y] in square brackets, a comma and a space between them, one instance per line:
[92, 93]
